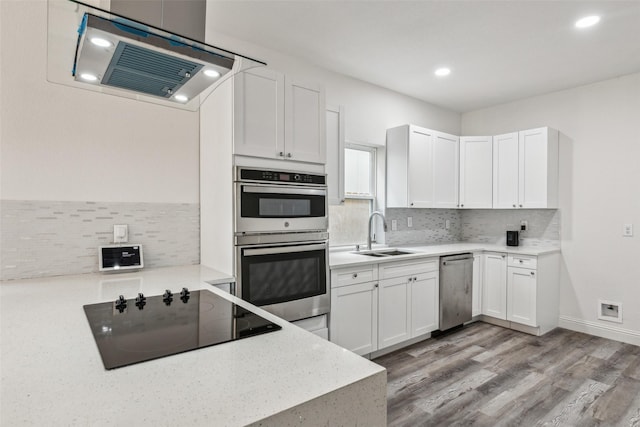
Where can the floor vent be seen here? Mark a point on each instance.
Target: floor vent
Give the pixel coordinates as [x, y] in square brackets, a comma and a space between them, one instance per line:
[609, 310]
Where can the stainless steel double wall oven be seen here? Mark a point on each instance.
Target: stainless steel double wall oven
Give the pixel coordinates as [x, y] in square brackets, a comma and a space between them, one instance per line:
[282, 241]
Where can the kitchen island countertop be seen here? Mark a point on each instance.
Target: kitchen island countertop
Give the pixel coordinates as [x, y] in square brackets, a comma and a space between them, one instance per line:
[52, 373]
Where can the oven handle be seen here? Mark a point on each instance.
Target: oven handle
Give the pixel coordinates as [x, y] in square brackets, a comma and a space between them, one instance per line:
[283, 249]
[280, 190]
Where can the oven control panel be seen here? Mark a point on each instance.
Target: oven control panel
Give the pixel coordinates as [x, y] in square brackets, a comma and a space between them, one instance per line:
[282, 177]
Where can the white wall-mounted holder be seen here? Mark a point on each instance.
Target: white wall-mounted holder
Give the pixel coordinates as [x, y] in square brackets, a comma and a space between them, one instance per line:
[610, 311]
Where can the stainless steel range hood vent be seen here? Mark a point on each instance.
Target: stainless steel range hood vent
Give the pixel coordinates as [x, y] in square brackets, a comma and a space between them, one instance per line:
[115, 55]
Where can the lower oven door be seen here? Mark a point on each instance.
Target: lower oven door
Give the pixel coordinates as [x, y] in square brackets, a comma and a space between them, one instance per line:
[288, 280]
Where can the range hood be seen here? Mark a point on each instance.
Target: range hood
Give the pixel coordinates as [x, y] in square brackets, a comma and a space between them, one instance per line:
[94, 49]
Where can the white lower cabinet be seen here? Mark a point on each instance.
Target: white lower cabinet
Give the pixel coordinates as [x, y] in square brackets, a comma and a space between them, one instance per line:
[521, 296]
[494, 292]
[476, 287]
[523, 290]
[374, 315]
[393, 314]
[423, 297]
[354, 317]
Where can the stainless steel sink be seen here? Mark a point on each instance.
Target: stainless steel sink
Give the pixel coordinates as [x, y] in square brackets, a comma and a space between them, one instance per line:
[384, 253]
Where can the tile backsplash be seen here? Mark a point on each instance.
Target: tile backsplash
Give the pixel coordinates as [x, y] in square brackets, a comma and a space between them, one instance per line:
[473, 225]
[429, 226]
[51, 238]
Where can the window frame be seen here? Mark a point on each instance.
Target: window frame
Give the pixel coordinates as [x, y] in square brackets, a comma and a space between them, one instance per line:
[373, 151]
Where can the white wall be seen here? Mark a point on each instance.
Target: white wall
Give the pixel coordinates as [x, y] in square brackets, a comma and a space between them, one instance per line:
[599, 176]
[63, 143]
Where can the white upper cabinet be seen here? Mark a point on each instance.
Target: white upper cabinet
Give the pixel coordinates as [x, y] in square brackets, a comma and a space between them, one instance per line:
[278, 118]
[476, 172]
[335, 155]
[305, 122]
[259, 113]
[538, 168]
[505, 171]
[525, 169]
[422, 168]
[445, 170]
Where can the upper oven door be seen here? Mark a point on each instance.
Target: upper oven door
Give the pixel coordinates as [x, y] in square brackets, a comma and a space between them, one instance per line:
[263, 208]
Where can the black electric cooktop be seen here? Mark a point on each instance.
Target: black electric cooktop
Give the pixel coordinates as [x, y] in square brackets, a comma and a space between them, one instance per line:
[141, 329]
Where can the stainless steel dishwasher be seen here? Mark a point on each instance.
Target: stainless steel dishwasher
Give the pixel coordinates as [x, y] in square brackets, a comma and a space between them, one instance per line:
[456, 275]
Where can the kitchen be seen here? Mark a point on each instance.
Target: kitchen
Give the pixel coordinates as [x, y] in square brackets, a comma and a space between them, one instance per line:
[59, 146]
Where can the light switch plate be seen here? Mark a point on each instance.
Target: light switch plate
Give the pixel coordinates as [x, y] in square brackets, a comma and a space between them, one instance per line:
[394, 225]
[409, 221]
[627, 230]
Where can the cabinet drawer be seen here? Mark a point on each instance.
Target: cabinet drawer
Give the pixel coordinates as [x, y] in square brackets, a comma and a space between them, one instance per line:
[352, 275]
[406, 268]
[524, 261]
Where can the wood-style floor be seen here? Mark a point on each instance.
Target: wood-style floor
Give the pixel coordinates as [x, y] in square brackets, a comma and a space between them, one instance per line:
[485, 375]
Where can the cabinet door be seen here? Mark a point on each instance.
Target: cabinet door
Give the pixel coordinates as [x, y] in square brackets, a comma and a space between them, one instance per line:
[533, 169]
[423, 294]
[335, 155]
[305, 123]
[505, 171]
[420, 165]
[393, 312]
[354, 317]
[494, 292]
[476, 306]
[446, 156]
[521, 291]
[476, 172]
[259, 113]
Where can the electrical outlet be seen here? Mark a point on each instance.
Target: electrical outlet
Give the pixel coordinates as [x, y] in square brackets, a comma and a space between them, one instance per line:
[409, 221]
[120, 233]
[524, 225]
[394, 225]
[627, 230]
[447, 224]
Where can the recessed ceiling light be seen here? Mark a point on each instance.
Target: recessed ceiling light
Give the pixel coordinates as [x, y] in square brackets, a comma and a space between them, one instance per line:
[441, 72]
[211, 73]
[88, 77]
[181, 98]
[587, 21]
[98, 41]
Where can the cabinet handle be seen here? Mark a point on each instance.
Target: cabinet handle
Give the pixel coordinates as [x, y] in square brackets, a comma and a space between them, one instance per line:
[375, 286]
[521, 261]
[504, 256]
[281, 154]
[514, 206]
[355, 275]
[462, 206]
[411, 204]
[533, 274]
[410, 279]
[520, 205]
[289, 156]
[415, 279]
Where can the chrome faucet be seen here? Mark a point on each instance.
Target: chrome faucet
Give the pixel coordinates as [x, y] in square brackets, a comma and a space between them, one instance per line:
[384, 226]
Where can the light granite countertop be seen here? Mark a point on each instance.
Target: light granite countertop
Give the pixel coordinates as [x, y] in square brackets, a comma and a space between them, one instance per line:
[52, 373]
[346, 258]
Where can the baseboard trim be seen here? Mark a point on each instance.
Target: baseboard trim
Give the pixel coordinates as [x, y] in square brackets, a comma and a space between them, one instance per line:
[600, 330]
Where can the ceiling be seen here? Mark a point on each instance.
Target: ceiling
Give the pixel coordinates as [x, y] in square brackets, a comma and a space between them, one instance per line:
[498, 51]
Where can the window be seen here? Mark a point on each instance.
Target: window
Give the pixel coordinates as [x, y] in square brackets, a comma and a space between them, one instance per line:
[348, 222]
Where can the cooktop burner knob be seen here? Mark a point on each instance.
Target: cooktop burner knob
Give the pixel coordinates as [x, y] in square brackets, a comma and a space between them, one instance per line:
[167, 297]
[184, 294]
[121, 303]
[141, 300]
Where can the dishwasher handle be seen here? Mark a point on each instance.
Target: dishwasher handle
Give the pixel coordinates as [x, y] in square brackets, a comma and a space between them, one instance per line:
[457, 261]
